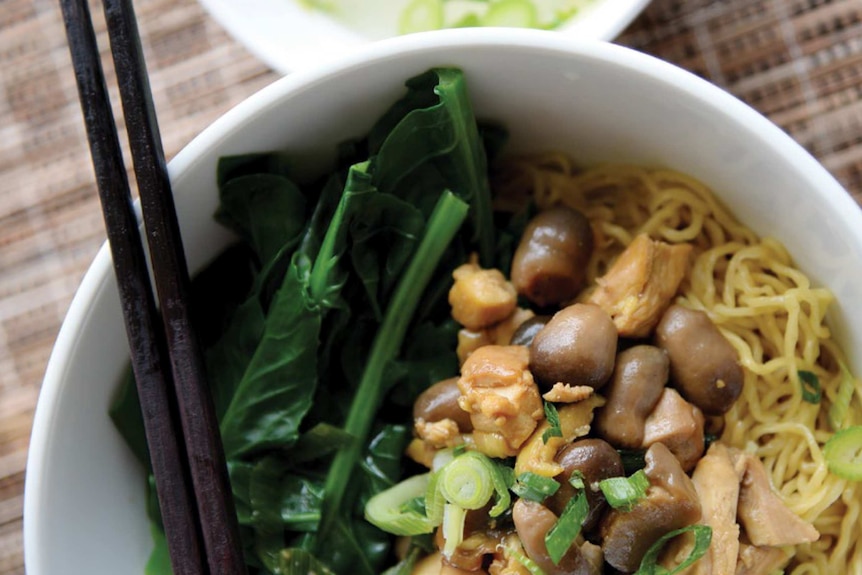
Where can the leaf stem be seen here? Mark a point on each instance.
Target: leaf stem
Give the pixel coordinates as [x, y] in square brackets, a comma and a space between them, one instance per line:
[444, 223]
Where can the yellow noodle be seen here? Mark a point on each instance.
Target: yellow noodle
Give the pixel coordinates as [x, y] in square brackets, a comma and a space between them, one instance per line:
[766, 308]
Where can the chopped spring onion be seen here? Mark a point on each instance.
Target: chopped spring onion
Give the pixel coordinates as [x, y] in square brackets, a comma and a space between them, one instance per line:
[702, 539]
[513, 13]
[434, 500]
[838, 409]
[420, 16]
[467, 480]
[453, 528]
[390, 509]
[560, 537]
[553, 417]
[525, 561]
[623, 493]
[843, 453]
[577, 480]
[534, 487]
[811, 391]
[502, 477]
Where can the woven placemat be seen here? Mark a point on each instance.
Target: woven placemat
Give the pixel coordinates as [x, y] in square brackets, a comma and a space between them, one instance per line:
[798, 61]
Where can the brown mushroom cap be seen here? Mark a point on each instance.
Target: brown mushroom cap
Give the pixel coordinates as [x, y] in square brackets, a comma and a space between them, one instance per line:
[533, 521]
[640, 374]
[577, 346]
[527, 331]
[440, 401]
[549, 265]
[596, 460]
[671, 503]
[704, 367]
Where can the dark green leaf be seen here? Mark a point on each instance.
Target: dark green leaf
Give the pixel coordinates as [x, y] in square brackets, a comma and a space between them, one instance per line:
[300, 562]
[125, 412]
[553, 418]
[267, 211]
[230, 167]
[318, 442]
[159, 562]
[811, 391]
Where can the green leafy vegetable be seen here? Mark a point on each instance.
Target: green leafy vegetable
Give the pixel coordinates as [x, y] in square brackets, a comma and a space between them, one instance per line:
[810, 384]
[534, 487]
[702, 538]
[301, 562]
[560, 537]
[625, 492]
[843, 453]
[442, 227]
[553, 418]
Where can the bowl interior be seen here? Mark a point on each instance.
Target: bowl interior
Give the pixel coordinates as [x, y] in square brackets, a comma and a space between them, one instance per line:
[84, 511]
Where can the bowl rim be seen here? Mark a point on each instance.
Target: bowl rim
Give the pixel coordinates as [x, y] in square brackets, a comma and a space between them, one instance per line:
[98, 275]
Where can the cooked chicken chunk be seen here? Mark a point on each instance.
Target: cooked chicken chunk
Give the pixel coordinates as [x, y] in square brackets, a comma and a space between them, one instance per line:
[501, 397]
[433, 565]
[754, 560]
[565, 393]
[678, 425]
[443, 433]
[765, 517]
[538, 455]
[716, 480]
[480, 297]
[498, 334]
[641, 283]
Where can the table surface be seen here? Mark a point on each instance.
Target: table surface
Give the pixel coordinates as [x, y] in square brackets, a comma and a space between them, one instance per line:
[797, 61]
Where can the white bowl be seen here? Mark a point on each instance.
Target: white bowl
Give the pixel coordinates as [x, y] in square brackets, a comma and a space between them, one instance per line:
[84, 500]
[289, 37]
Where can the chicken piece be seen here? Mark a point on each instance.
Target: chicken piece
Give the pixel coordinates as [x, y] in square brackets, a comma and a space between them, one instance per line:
[498, 334]
[678, 425]
[433, 565]
[501, 397]
[538, 455]
[565, 393]
[504, 562]
[421, 452]
[480, 297]
[716, 480]
[641, 283]
[439, 434]
[762, 513]
[755, 560]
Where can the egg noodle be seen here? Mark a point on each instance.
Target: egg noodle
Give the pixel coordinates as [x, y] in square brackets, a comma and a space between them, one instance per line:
[765, 307]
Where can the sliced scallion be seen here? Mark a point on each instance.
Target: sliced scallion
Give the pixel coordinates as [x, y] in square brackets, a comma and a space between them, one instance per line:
[810, 384]
[512, 13]
[838, 409]
[577, 480]
[467, 481]
[390, 510]
[434, 500]
[420, 16]
[702, 538]
[453, 528]
[502, 479]
[525, 561]
[553, 417]
[567, 528]
[534, 487]
[843, 453]
[623, 493]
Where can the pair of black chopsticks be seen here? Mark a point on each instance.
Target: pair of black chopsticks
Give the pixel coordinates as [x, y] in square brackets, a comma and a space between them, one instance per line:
[181, 428]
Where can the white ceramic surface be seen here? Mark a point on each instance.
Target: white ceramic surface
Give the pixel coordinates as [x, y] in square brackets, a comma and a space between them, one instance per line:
[84, 501]
[289, 37]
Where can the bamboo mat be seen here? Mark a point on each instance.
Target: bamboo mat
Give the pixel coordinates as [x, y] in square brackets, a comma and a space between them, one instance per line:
[798, 61]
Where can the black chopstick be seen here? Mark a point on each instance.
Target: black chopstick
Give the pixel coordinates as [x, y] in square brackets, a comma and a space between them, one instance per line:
[182, 431]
